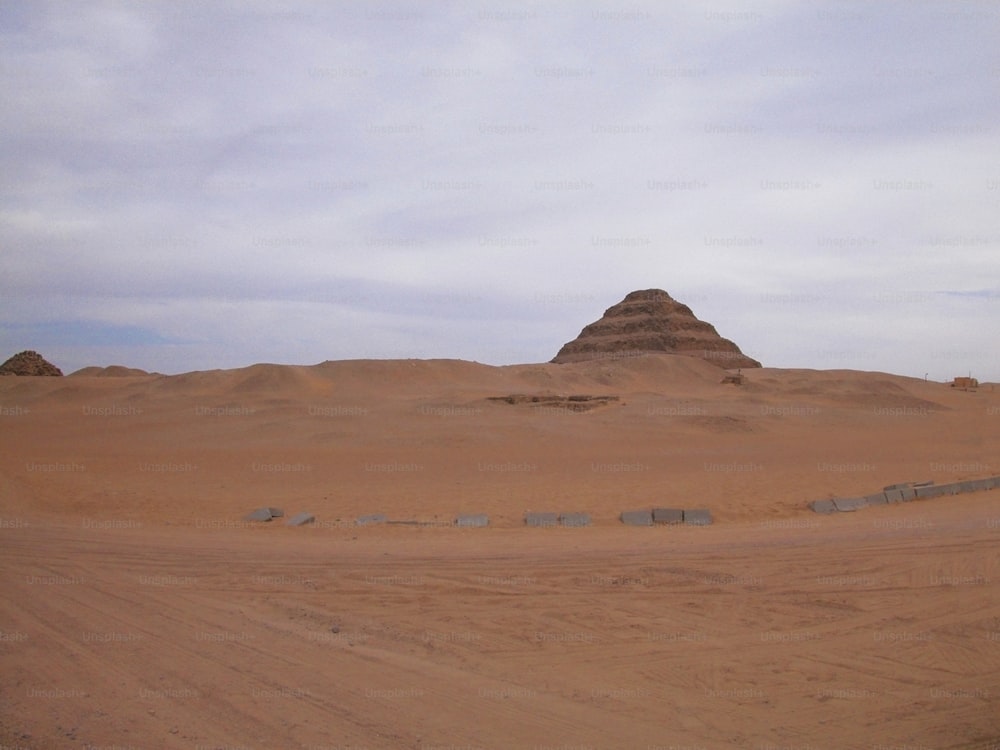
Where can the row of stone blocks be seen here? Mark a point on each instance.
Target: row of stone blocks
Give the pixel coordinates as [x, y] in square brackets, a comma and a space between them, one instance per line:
[267, 514]
[556, 519]
[902, 493]
[697, 517]
[469, 520]
[302, 519]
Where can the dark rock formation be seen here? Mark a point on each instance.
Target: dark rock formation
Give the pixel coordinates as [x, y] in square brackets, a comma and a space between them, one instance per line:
[28, 363]
[570, 403]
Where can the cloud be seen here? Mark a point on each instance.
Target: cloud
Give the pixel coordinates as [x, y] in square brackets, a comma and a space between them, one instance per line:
[482, 180]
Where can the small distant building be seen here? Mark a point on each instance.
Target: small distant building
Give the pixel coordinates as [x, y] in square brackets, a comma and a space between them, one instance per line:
[965, 383]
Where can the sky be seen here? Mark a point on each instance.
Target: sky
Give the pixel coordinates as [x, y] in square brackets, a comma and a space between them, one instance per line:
[198, 185]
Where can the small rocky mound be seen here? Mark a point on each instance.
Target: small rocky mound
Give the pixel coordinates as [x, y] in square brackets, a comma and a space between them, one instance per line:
[652, 322]
[28, 363]
[569, 403]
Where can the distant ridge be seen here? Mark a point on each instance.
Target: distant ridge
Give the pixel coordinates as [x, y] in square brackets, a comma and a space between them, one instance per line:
[112, 371]
[651, 321]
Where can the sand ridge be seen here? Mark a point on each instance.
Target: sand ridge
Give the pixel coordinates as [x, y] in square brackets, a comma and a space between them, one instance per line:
[428, 439]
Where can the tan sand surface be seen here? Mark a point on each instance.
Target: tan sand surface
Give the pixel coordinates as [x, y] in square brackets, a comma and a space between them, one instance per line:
[138, 610]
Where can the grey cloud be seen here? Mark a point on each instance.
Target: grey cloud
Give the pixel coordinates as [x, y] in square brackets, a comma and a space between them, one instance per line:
[451, 176]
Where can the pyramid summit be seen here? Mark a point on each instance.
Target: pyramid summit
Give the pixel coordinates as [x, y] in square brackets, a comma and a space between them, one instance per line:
[652, 322]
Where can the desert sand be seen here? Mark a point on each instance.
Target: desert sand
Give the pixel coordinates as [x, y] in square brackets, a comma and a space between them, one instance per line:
[138, 609]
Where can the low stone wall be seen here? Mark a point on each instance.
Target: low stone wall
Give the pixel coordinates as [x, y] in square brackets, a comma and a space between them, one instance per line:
[904, 492]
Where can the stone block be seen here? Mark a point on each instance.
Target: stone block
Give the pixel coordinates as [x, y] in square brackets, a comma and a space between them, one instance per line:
[668, 515]
[541, 519]
[849, 504]
[261, 514]
[878, 498]
[300, 519]
[477, 520]
[697, 517]
[823, 506]
[637, 517]
[896, 495]
[574, 519]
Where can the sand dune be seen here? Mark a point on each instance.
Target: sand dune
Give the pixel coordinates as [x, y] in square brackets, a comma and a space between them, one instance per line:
[112, 371]
[131, 584]
[427, 439]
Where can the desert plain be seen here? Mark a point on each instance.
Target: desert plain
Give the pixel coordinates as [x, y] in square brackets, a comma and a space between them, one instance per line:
[138, 609]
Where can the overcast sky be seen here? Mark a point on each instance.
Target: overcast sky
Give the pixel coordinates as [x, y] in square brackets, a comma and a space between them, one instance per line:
[198, 185]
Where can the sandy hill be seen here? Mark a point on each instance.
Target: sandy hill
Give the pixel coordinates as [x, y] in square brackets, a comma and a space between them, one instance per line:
[426, 438]
[652, 321]
[112, 371]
